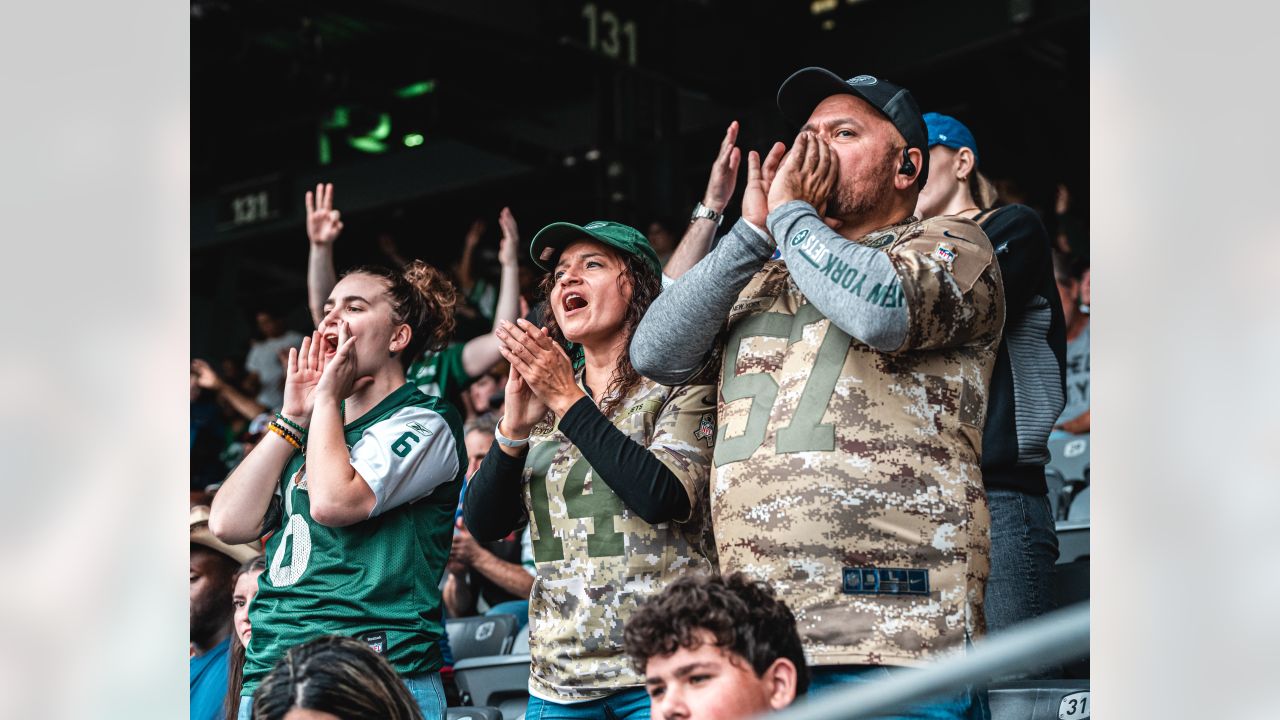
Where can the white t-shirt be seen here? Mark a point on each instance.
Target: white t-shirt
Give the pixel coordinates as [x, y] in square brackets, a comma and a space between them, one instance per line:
[264, 361]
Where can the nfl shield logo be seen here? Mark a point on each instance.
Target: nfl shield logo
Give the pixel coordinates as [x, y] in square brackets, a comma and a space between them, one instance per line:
[945, 253]
[706, 428]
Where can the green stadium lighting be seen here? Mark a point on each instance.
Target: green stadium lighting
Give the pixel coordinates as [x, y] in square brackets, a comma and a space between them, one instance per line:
[372, 142]
[416, 89]
[412, 140]
[340, 119]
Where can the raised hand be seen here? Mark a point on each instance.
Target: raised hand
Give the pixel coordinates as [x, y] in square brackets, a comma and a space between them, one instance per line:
[755, 203]
[474, 233]
[339, 379]
[724, 171]
[205, 376]
[301, 374]
[509, 245]
[807, 173]
[324, 224]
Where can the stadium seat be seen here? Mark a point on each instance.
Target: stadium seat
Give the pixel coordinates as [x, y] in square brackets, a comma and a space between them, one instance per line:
[493, 680]
[473, 713]
[1056, 484]
[514, 707]
[1079, 511]
[1040, 700]
[1069, 456]
[521, 644]
[479, 636]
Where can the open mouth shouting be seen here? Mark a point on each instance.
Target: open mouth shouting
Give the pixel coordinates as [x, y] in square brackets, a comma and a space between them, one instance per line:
[329, 344]
[572, 302]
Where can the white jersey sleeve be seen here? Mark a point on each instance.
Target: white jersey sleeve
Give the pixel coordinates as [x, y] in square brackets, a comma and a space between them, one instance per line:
[405, 457]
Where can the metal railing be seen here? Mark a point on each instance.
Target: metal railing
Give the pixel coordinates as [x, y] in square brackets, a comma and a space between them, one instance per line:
[1057, 637]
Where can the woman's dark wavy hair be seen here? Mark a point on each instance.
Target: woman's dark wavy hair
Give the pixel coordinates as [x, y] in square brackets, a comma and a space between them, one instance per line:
[645, 286]
[421, 297]
[745, 617]
[338, 675]
[235, 663]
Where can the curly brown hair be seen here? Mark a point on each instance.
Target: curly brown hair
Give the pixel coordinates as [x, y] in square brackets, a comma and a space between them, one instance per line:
[645, 286]
[744, 616]
[421, 297]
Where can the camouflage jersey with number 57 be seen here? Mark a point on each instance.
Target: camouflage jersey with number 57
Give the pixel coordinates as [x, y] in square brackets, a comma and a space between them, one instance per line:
[849, 478]
[596, 559]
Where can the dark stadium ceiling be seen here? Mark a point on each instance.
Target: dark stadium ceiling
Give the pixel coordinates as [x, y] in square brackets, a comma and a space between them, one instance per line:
[384, 93]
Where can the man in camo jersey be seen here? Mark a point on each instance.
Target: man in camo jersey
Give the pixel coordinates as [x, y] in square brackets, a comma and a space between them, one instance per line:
[853, 381]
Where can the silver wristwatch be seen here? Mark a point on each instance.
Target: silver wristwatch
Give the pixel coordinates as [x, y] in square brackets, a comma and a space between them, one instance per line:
[702, 211]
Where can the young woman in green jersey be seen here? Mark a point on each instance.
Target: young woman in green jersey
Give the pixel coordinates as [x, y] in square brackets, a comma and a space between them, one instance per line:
[609, 467]
[357, 480]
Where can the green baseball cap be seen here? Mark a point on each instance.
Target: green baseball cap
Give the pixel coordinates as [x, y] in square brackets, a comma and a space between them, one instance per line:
[550, 240]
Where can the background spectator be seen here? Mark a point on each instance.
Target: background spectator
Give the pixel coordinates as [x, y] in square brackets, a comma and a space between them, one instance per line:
[334, 676]
[716, 648]
[500, 572]
[1026, 394]
[1071, 286]
[245, 587]
[264, 361]
[213, 569]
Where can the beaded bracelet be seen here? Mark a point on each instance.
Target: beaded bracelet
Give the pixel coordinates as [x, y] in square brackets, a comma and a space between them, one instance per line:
[301, 430]
[282, 432]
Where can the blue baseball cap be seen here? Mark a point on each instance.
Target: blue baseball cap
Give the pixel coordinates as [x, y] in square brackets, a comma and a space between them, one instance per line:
[950, 132]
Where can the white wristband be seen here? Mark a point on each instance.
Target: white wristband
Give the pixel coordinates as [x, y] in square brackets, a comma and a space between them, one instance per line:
[504, 440]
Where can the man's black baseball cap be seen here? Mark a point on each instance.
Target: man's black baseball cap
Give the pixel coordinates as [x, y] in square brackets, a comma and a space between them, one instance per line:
[805, 89]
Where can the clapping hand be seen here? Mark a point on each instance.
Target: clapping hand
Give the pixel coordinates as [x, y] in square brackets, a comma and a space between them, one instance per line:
[541, 364]
[724, 171]
[508, 246]
[755, 206]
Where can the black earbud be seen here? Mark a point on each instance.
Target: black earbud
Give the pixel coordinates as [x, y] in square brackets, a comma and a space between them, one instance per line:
[908, 167]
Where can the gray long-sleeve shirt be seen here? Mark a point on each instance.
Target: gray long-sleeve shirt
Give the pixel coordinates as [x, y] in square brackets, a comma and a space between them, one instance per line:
[673, 340]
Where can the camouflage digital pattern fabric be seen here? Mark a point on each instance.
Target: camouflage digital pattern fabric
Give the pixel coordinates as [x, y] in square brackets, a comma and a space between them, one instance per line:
[836, 463]
[595, 559]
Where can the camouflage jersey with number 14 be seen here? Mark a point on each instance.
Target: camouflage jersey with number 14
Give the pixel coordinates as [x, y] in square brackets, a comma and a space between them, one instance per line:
[595, 558]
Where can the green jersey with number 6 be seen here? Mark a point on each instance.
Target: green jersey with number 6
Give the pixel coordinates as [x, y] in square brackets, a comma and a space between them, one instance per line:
[595, 558]
[848, 478]
[377, 580]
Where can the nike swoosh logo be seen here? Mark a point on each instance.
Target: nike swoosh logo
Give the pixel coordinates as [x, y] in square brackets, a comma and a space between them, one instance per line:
[957, 237]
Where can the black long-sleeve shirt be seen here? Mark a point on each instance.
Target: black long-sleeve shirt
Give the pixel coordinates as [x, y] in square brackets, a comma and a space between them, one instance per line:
[493, 507]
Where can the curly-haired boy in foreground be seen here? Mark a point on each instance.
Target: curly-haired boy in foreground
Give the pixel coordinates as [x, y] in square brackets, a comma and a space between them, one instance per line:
[717, 648]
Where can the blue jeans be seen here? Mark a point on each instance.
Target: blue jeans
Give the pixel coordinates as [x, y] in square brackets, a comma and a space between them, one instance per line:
[624, 705]
[969, 704]
[519, 608]
[426, 688]
[1024, 548]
